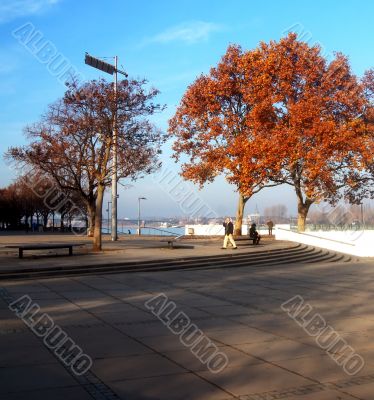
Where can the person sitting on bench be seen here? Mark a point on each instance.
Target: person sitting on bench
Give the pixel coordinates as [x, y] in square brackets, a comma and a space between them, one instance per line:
[254, 235]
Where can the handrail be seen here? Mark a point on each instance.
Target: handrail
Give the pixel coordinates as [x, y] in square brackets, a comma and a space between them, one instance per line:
[318, 237]
[106, 231]
[158, 229]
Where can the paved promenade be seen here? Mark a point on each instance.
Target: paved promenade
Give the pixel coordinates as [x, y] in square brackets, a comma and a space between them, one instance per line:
[137, 357]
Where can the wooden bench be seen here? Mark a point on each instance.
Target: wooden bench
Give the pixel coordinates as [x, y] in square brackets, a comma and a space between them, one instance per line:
[170, 241]
[45, 246]
[254, 240]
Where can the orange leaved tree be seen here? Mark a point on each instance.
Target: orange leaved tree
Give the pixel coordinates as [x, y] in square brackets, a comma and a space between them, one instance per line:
[212, 126]
[312, 124]
[280, 114]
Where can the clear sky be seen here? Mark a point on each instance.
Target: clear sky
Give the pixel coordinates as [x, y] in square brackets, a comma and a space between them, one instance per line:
[169, 43]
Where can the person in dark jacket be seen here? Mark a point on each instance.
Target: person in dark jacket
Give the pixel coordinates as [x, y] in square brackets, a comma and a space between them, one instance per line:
[254, 235]
[229, 230]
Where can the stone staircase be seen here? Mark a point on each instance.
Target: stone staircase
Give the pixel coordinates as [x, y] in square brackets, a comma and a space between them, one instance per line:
[297, 253]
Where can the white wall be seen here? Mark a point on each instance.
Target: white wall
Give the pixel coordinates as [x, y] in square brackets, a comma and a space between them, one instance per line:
[213, 230]
[204, 230]
[358, 243]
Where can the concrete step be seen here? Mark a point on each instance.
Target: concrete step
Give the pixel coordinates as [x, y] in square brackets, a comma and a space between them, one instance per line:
[172, 261]
[273, 257]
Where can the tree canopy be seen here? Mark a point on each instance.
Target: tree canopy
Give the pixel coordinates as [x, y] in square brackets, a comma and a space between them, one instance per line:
[73, 141]
[279, 114]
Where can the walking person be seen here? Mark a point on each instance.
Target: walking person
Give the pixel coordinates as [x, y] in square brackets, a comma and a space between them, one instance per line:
[229, 230]
[270, 225]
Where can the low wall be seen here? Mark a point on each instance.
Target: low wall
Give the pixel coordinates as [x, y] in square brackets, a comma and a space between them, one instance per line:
[214, 230]
[204, 230]
[357, 243]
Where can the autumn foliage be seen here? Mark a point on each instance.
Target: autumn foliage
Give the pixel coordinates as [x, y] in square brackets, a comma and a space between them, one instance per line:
[279, 114]
[73, 141]
[212, 126]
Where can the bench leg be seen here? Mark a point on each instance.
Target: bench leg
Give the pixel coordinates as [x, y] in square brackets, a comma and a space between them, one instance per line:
[70, 250]
[20, 253]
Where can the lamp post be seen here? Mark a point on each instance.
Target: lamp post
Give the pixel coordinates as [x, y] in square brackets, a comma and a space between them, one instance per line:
[362, 215]
[107, 210]
[139, 198]
[110, 69]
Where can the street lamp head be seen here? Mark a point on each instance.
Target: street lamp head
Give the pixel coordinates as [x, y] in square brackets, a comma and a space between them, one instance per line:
[99, 64]
[102, 65]
[142, 198]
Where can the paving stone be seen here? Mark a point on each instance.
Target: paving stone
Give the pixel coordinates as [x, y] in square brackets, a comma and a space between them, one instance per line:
[22, 378]
[175, 387]
[101, 342]
[189, 360]
[282, 349]
[163, 343]
[242, 335]
[23, 353]
[363, 392]
[71, 393]
[132, 367]
[249, 379]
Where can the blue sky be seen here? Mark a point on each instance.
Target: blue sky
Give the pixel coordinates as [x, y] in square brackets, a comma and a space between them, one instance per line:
[169, 43]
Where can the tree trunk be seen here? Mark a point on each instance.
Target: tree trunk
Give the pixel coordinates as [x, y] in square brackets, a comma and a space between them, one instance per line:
[303, 205]
[91, 209]
[239, 215]
[98, 218]
[302, 209]
[62, 226]
[45, 221]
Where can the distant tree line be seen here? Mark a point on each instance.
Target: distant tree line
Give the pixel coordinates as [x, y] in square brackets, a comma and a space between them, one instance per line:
[31, 202]
[277, 213]
[349, 215]
[345, 215]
